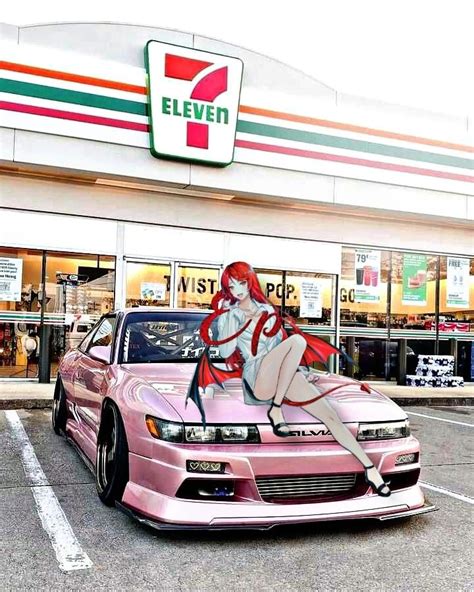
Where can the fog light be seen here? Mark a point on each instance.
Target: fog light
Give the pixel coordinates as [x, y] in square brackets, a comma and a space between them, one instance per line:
[217, 491]
[406, 459]
[204, 466]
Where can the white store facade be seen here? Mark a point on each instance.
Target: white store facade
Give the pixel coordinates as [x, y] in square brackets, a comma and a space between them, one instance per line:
[318, 185]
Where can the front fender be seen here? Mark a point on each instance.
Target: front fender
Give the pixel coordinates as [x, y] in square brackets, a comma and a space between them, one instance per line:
[136, 399]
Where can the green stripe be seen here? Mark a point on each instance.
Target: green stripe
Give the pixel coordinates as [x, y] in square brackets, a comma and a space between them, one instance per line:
[294, 135]
[271, 131]
[71, 96]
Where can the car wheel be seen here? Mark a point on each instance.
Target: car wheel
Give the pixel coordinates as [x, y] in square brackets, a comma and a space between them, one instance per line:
[59, 412]
[111, 467]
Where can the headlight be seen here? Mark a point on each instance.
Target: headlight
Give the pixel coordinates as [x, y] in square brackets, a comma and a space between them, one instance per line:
[178, 432]
[164, 430]
[199, 434]
[384, 431]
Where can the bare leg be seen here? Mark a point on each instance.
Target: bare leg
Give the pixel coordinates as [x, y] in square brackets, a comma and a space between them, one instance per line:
[301, 390]
[276, 372]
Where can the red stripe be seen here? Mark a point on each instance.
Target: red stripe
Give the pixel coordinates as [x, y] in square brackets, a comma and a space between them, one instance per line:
[347, 160]
[59, 114]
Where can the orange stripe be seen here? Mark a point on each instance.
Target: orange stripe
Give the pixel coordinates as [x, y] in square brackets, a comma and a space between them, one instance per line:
[101, 82]
[72, 77]
[352, 128]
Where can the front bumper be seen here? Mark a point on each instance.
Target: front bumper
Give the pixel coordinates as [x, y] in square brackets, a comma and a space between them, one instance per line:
[151, 494]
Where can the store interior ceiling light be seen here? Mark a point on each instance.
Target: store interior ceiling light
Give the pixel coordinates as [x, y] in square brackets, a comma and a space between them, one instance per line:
[161, 189]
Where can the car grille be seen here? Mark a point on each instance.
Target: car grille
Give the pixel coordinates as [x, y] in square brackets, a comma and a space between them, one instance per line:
[293, 489]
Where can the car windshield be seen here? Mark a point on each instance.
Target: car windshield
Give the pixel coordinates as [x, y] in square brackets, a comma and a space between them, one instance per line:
[163, 337]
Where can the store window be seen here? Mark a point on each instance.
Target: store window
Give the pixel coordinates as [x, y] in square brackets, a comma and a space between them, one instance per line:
[307, 297]
[196, 286]
[310, 297]
[364, 287]
[20, 306]
[456, 300]
[456, 313]
[272, 284]
[148, 284]
[413, 291]
[79, 290]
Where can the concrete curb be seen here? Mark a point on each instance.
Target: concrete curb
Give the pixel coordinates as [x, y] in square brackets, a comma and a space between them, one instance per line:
[433, 401]
[6, 404]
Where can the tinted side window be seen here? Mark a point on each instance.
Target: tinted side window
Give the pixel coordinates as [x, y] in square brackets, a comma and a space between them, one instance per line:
[103, 334]
[85, 342]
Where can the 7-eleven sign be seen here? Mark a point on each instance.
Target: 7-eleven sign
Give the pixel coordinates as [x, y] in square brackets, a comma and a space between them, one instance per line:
[194, 102]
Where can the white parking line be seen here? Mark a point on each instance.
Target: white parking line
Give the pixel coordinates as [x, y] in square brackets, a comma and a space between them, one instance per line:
[69, 553]
[438, 489]
[470, 425]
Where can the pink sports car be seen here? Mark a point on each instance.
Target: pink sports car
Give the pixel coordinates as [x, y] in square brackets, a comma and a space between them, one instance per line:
[120, 398]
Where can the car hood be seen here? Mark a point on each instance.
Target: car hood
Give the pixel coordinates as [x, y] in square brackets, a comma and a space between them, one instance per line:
[353, 405]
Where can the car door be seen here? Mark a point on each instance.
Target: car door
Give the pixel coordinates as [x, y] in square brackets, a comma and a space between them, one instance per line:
[90, 379]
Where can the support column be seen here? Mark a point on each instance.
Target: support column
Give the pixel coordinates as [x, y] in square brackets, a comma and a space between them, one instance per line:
[402, 361]
[120, 263]
[453, 350]
[350, 348]
[44, 355]
[44, 362]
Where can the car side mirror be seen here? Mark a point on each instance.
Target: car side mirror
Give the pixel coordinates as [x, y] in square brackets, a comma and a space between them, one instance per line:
[101, 353]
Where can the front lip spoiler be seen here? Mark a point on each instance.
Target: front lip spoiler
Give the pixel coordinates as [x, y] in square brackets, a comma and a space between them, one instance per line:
[427, 507]
[157, 525]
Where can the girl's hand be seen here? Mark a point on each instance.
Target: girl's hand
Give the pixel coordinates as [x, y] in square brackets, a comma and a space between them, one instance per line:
[312, 377]
[224, 304]
[237, 313]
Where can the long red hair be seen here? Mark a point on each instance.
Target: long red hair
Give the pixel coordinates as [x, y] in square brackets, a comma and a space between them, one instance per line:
[237, 271]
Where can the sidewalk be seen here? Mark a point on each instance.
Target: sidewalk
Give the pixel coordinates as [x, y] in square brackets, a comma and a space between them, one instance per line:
[31, 395]
[412, 395]
[26, 395]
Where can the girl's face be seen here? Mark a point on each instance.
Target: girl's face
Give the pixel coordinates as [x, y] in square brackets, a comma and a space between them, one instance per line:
[238, 288]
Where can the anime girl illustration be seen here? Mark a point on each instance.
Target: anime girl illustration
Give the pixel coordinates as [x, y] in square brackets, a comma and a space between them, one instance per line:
[272, 362]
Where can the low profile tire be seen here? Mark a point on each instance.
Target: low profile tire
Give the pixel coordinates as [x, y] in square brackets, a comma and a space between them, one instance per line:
[59, 411]
[111, 467]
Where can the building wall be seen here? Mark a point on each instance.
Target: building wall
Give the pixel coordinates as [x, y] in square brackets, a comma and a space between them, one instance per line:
[345, 226]
[297, 104]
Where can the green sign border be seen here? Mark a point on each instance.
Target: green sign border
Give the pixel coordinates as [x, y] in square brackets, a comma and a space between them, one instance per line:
[162, 155]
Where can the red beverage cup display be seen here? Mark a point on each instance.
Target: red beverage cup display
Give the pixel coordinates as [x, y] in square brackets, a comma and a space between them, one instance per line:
[367, 275]
[374, 277]
[421, 275]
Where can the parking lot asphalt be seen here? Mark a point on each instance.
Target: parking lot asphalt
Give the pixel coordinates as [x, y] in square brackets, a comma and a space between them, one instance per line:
[422, 553]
